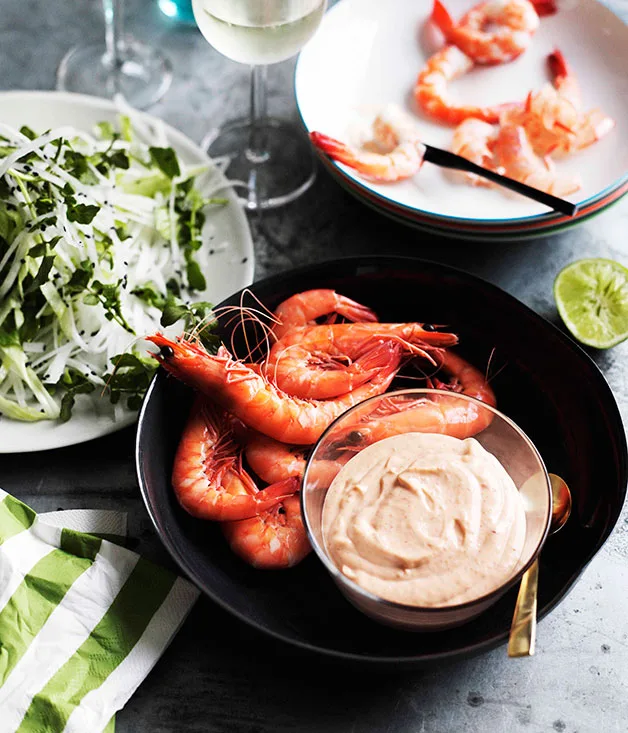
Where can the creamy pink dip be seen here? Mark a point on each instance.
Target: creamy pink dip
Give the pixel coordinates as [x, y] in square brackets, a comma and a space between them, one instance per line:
[424, 520]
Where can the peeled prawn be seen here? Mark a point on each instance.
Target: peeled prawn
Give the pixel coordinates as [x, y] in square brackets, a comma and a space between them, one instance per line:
[473, 140]
[514, 153]
[552, 117]
[431, 90]
[252, 398]
[395, 134]
[306, 307]
[320, 362]
[492, 32]
[208, 478]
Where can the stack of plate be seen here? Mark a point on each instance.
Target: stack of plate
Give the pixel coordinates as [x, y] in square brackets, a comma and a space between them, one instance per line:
[367, 54]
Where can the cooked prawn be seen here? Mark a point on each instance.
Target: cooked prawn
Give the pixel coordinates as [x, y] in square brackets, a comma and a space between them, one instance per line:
[323, 374]
[208, 478]
[252, 398]
[514, 153]
[473, 140]
[553, 118]
[492, 32]
[320, 362]
[306, 307]
[272, 540]
[394, 132]
[438, 413]
[432, 93]
[272, 460]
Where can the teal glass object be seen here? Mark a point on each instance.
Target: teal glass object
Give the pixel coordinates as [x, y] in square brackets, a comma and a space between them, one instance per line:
[180, 10]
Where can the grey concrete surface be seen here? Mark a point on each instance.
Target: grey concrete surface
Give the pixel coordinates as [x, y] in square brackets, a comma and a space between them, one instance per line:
[219, 676]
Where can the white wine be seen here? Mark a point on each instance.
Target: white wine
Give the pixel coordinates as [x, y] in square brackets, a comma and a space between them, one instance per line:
[258, 31]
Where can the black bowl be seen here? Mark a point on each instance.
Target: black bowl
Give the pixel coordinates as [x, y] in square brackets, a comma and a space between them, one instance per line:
[543, 381]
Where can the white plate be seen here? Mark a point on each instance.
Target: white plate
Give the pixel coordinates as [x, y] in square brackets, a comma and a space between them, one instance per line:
[368, 53]
[232, 268]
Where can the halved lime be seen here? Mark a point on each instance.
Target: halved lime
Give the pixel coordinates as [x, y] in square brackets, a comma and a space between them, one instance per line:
[592, 299]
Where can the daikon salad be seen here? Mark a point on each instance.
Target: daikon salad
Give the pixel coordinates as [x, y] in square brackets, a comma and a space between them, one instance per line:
[100, 244]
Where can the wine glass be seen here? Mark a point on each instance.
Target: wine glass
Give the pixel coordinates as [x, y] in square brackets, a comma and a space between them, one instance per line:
[271, 157]
[124, 65]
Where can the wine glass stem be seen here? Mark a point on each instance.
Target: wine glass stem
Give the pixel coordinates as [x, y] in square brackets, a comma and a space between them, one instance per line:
[113, 32]
[257, 152]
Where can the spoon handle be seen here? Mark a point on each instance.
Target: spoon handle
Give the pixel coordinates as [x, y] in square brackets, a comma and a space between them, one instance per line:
[447, 159]
[523, 630]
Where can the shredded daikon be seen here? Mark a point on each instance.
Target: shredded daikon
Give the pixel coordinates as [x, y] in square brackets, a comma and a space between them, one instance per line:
[100, 243]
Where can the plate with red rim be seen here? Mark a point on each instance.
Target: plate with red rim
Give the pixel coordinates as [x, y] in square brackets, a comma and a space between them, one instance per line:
[474, 230]
[367, 54]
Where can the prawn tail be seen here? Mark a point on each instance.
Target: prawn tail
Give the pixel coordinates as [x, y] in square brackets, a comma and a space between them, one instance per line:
[558, 66]
[334, 148]
[545, 7]
[442, 19]
[356, 312]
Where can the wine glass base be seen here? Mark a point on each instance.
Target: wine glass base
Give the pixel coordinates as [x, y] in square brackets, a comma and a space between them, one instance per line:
[142, 77]
[281, 173]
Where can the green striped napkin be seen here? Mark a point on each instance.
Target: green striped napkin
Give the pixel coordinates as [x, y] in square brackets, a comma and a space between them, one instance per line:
[82, 620]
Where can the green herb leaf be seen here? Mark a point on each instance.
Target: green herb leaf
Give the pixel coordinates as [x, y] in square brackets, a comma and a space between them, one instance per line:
[44, 205]
[74, 383]
[38, 250]
[91, 299]
[106, 131]
[173, 287]
[109, 295]
[149, 294]
[172, 313]
[196, 280]
[80, 277]
[166, 160]
[126, 128]
[27, 132]
[119, 159]
[82, 213]
[130, 378]
[122, 233]
[42, 273]
[10, 223]
[127, 360]
[134, 402]
[9, 338]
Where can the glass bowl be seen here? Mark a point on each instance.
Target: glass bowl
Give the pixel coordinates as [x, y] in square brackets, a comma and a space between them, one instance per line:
[362, 425]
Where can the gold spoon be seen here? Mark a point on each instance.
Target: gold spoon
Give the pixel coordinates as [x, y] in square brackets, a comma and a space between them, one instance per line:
[523, 628]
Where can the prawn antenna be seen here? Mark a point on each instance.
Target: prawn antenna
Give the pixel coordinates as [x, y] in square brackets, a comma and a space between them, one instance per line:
[488, 378]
